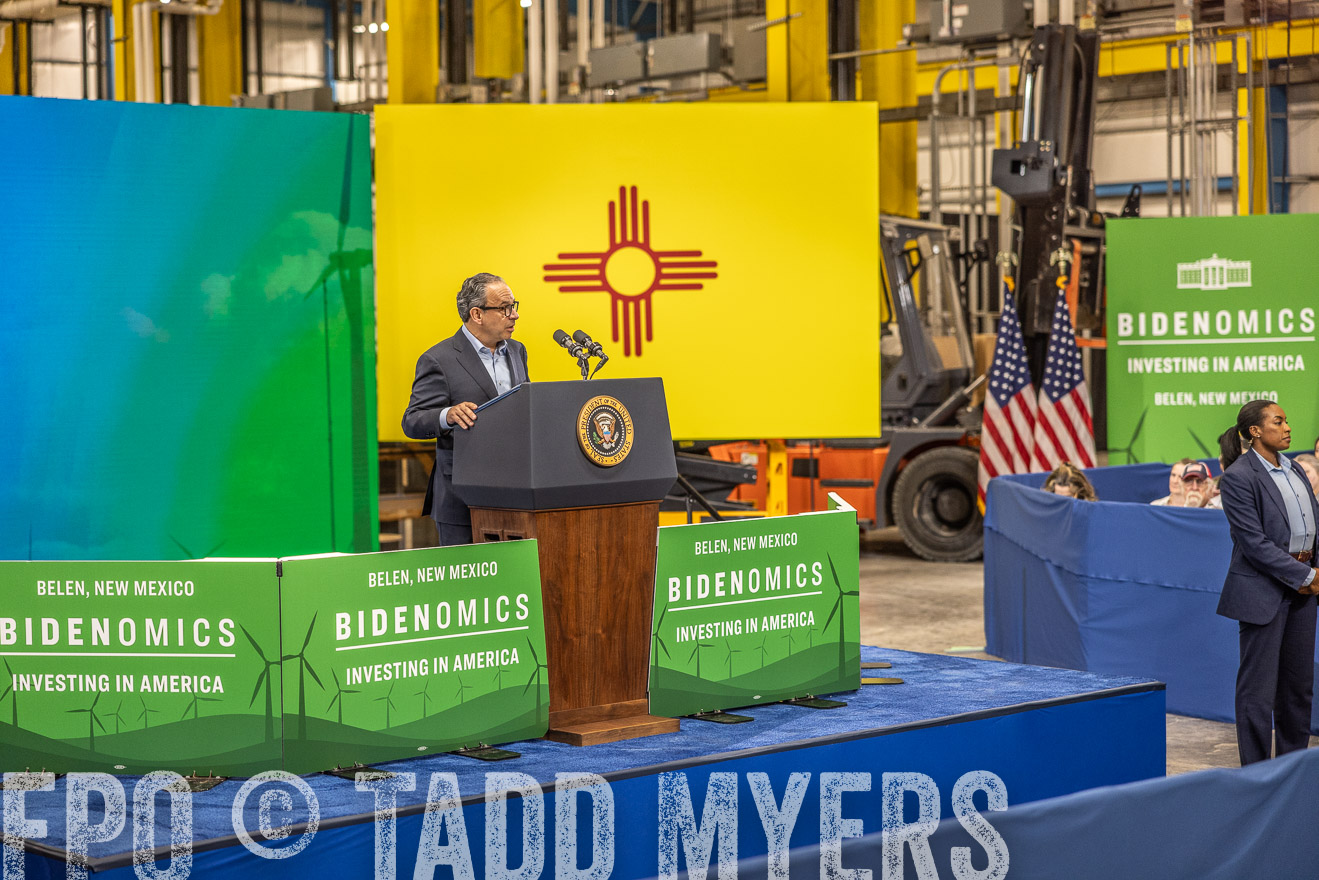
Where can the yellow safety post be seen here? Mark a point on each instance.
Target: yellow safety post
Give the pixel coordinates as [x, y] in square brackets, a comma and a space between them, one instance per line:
[18, 45]
[8, 36]
[497, 42]
[1255, 200]
[123, 50]
[797, 50]
[220, 55]
[890, 79]
[412, 48]
[776, 479]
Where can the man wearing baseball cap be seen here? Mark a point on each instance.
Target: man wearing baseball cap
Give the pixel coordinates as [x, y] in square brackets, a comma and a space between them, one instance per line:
[1195, 482]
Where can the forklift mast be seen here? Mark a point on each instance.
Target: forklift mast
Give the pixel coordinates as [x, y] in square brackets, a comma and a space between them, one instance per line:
[1048, 174]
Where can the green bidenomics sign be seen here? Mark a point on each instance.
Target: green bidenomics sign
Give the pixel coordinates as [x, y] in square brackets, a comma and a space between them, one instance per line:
[139, 666]
[755, 611]
[1205, 314]
[391, 655]
[240, 666]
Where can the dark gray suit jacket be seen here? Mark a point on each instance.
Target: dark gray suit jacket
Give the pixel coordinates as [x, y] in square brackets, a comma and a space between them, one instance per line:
[451, 372]
[1262, 575]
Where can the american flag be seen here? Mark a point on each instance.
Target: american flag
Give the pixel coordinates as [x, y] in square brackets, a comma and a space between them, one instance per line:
[1007, 440]
[1064, 429]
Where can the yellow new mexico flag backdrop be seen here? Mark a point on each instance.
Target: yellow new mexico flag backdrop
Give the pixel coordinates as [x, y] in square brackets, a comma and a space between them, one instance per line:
[732, 251]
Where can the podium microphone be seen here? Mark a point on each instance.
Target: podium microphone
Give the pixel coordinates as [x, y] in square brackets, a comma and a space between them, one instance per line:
[567, 342]
[576, 350]
[586, 341]
[593, 347]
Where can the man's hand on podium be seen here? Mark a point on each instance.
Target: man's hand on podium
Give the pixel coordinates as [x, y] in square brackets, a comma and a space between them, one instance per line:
[462, 415]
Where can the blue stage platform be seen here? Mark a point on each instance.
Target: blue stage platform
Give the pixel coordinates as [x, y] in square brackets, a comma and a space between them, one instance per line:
[1044, 732]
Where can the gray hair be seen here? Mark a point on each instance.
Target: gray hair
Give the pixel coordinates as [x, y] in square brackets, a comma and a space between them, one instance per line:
[472, 293]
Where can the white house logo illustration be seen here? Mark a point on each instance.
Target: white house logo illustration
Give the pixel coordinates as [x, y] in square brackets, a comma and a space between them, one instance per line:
[1214, 273]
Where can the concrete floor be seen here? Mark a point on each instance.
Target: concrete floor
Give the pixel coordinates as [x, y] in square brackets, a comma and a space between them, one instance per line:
[938, 608]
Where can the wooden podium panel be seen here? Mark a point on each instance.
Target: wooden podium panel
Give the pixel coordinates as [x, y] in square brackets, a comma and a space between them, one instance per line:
[597, 568]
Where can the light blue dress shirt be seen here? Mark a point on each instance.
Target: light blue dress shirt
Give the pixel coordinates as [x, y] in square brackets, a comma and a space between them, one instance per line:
[1294, 497]
[496, 363]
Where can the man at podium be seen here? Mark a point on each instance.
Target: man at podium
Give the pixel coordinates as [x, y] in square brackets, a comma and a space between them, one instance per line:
[476, 364]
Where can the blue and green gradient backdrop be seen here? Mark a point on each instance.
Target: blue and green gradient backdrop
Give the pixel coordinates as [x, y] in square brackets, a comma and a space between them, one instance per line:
[187, 346]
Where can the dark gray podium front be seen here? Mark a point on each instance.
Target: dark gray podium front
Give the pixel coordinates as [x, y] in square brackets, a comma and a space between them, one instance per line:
[524, 472]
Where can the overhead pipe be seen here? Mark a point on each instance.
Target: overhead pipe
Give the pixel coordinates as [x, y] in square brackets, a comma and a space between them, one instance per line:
[597, 35]
[535, 52]
[583, 44]
[551, 8]
[144, 62]
[375, 74]
[180, 7]
[368, 76]
[145, 67]
[40, 10]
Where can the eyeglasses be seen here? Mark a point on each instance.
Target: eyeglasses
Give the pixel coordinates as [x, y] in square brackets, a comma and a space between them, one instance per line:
[508, 309]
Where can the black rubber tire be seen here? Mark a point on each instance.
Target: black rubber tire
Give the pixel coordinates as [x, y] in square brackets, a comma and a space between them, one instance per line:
[934, 505]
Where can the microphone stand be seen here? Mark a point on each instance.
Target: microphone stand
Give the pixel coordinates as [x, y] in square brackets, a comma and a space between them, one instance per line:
[584, 363]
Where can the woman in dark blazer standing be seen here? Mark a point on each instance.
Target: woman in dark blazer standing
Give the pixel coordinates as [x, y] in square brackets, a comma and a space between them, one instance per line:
[1270, 585]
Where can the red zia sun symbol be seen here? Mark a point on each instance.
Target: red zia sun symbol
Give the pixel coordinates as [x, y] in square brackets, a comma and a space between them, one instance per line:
[630, 270]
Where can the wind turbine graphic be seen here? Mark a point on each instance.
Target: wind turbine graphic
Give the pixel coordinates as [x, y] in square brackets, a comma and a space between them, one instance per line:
[657, 640]
[696, 652]
[348, 266]
[837, 609]
[761, 649]
[145, 717]
[534, 678]
[339, 691]
[425, 694]
[118, 719]
[193, 707]
[1200, 443]
[731, 651]
[187, 551]
[92, 721]
[263, 678]
[462, 689]
[10, 692]
[388, 700]
[1126, 450]
[303, 668]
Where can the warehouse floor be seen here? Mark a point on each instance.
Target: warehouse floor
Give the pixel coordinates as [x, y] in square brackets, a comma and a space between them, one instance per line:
[938, 608]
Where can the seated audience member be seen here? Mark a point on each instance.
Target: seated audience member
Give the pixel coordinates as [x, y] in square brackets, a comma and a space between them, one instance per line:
[1176, 490]
[1310, 465]
[1195, 485]
[1067, 479]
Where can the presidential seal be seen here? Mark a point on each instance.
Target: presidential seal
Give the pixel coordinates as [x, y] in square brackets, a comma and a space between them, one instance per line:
[604, 429]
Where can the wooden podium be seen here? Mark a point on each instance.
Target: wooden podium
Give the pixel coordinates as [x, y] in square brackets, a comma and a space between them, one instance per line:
[524, 472]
